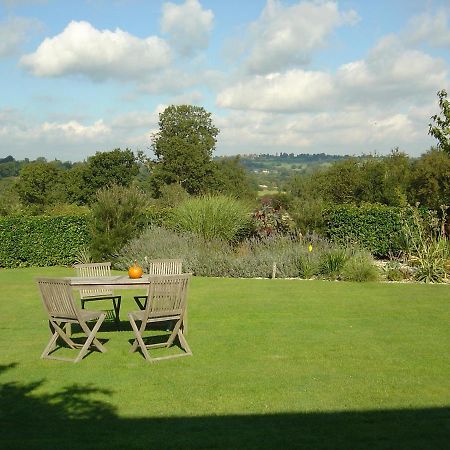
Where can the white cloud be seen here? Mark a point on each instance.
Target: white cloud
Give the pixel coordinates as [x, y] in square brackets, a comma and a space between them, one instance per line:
[291, 91]
[74, 140]
[434, 30]
[391, 74]
[347, 131]
[82, 49]
[75, 130]
[188, 25]
[285, 36]
[14, 31]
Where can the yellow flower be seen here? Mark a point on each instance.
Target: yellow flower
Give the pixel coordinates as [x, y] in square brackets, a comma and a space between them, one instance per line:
[310, 248]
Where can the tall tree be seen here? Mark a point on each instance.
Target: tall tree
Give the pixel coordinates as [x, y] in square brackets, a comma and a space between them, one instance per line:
[183, 147]
[440, 128]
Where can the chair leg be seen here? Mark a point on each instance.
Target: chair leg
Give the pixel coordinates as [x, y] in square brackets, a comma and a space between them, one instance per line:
[138, 341]
[91, 339]
[57, 332]
[93, 332]
[141, 305]
[116, 305]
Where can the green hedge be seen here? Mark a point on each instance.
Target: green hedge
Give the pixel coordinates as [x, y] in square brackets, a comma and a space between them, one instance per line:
[41, 240]
[376, 228]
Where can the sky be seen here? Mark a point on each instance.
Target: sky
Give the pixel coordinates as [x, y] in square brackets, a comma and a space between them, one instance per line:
[345, 77]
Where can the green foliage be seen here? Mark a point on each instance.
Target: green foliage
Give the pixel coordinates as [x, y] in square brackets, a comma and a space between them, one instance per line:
[343, 182]
[395, 271]
[40, 184]
[9, 167]
[66, 209]
[232, 179]
[254, 257]
[360, 267]
[440, 128]
[376, 228]
[430, 184]
[10, 203]
[171, 195]
[183, 147]
[212, 217]
[117, 167]
[117, 216]
[332, 261]
[384, 180]
[427, 246]
[83, 255]
[41, 240]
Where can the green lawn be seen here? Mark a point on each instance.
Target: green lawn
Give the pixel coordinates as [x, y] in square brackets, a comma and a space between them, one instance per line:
[277, 364]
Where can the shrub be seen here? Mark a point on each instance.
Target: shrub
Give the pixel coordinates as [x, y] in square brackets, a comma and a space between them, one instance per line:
[376, 228]
[271, 219]
[395, 271]
[41, 240]
[333, 261]
[427, 246]
[253, 257]
[212, 217]
[360, 267]
[117, 216]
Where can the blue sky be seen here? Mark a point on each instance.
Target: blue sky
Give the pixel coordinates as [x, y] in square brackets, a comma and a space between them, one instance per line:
[339, 77]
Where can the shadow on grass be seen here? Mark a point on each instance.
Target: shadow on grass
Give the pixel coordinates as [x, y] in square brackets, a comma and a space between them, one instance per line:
[76, 418]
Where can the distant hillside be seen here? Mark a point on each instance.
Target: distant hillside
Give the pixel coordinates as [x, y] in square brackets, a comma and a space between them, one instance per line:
[287, 161]
[272, 171]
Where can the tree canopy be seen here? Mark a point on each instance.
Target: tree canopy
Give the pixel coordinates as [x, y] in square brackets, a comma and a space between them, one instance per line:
[440, 128]
[183, 147]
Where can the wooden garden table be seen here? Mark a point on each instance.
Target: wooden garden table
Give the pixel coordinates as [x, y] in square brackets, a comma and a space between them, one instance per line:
[114, 282]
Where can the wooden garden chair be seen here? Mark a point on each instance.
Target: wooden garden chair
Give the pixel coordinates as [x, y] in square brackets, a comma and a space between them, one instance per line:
[88, 295]
[59, 303]
[159, 267]
[166, 301]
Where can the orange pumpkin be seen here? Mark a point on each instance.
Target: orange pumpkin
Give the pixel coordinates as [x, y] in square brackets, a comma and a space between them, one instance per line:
[135, 271]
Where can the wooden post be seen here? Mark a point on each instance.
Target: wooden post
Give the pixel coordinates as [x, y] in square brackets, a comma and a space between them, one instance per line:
[274, 270]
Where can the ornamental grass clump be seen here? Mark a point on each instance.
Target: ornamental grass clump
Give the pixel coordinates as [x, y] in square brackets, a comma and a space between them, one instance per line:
[428, 248]
[332, 261]
[213, 217]
[360, 267]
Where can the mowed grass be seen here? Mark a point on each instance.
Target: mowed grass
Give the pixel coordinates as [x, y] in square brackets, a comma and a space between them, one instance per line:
[277, 364]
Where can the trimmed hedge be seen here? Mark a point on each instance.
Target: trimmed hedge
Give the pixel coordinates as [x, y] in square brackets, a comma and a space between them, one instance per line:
[41, 240]
[377, 228]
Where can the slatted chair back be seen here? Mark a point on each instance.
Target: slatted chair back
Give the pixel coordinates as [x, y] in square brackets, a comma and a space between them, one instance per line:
[167, 296]
[166, 302]
[159, 267]
[57, 298]
[164, 266]
[94, 270]
[59, 302]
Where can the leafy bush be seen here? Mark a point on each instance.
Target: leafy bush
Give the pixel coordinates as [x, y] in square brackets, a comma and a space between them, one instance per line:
[271, 219]
[117, 216]
[42, 240]
[212, 217]
[376, 228]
